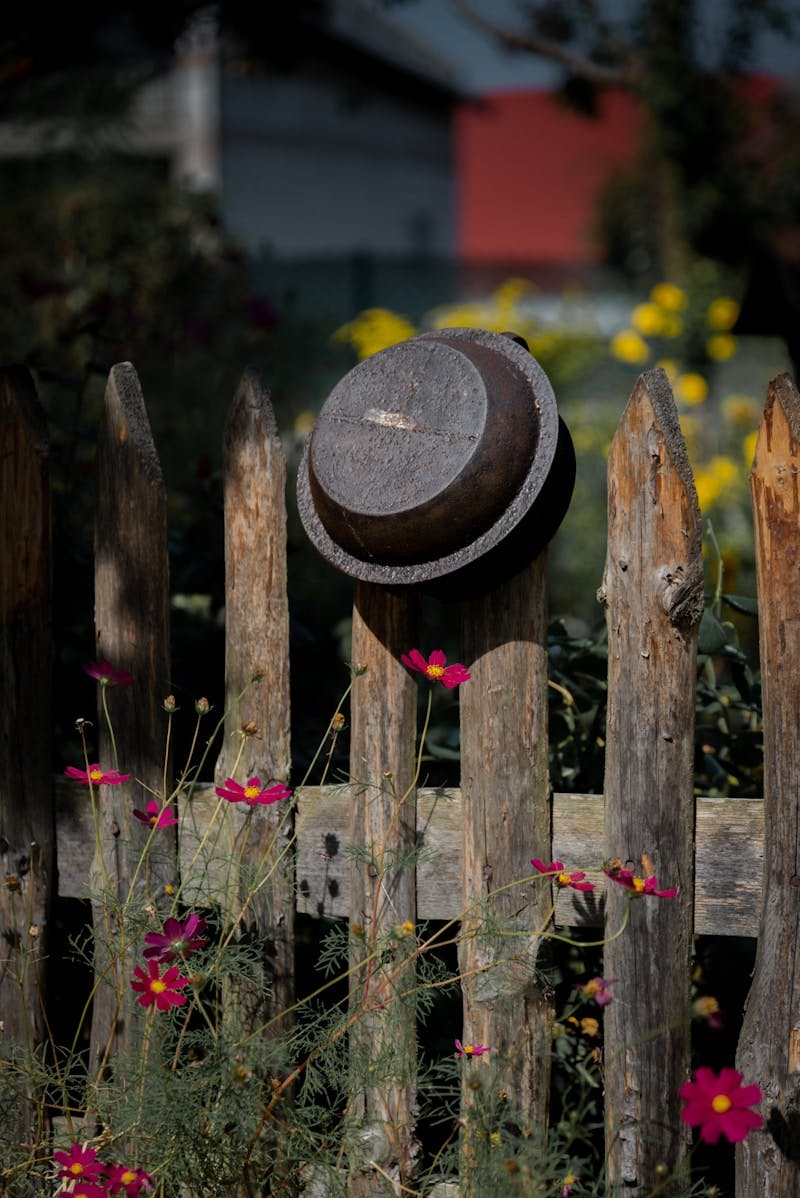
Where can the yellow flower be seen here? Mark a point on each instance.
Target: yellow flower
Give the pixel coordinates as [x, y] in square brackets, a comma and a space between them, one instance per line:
[749, 447]
[590, 1027]
[690, 388]
[374, 329]
[511, 291]
[741, 410]
[669, 296]
[648, 319]
[303, 423]
[673, 326]
[721, 347]
[628, 346]
[722, 313]
[714, 479]
[705, 1006]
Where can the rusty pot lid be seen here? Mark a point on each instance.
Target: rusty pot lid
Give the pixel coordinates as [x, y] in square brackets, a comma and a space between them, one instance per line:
[435, 457]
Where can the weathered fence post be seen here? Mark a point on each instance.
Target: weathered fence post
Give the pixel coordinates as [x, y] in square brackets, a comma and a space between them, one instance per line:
[132, 632]
[768, 1162]
[257, 669]
[506, 815]
[653, 590]
[383, 890]
[27, 831]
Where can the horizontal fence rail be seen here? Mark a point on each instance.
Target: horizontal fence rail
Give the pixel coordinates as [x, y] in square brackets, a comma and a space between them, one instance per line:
[729, 853]
[437, 853]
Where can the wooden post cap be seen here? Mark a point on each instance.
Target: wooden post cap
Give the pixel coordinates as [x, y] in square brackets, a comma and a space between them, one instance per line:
[428, 456]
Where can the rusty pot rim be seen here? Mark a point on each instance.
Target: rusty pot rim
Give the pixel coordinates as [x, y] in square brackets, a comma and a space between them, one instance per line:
[519, 505]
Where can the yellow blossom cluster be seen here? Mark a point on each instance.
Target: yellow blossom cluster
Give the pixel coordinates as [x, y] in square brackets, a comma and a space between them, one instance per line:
[374, 329]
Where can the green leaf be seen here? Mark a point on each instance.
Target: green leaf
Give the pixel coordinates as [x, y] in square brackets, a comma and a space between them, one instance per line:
[711, 637]
[742, 603]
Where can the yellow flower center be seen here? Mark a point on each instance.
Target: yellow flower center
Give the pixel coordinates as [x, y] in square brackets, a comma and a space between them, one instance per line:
[469, 1049]
[251, 792]
[591, 988]
[95, 775]
[638, 884]
[721, 1103]
[127, 1177]
[563, 879]
[434, 671]
[157, 986]
[76, 1169]
[153, 821]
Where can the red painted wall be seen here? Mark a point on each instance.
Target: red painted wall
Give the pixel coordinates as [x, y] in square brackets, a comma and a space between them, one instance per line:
[528, 173]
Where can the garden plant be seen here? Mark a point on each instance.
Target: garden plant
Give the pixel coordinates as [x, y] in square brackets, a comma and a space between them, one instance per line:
[210, 1102]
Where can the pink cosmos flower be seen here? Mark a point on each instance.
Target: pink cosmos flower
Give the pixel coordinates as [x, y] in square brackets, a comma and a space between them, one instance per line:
[637, 886]
[106, 675]
[471, 1050]
[597, 989]
[161, 989]
[561, 877]
[129, 1181]
[436, 668]
[154, 816]
[718, 1105]
[79, 1162]
[252, 794]
[95, 776]
[84, 1189]
[178, 939]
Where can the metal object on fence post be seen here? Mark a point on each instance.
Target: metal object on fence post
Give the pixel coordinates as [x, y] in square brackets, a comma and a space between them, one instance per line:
[440, 462]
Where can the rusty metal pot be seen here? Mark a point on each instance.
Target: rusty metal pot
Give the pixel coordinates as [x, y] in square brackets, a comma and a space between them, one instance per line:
[439, 463]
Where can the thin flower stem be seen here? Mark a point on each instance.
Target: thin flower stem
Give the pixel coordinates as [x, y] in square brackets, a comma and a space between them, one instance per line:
[109, 724]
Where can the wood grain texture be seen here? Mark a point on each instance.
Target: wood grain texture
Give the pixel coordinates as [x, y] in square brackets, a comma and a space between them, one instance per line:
[383, 888]
[132, 632]
[256, 733]
[27, 825]
[653, 589]
[768, 1162]
[506, 817]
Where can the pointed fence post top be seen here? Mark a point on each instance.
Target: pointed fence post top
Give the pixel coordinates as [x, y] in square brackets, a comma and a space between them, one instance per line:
[655, 528]
[126, 421]
[250, 413]
[779, 432]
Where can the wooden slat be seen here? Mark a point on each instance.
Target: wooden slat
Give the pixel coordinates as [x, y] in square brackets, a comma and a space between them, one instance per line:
[132, 632]
[27, 827]
[383, 888]
[653, 588]
[729, 855]
[506, 815]
[257, 839]
[769, 1046]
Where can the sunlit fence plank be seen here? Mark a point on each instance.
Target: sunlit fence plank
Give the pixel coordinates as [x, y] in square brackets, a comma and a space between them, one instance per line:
[653, 589]
[132, 632]
[260, 854]
[506, 818]
[768, 1162]
[383, 891]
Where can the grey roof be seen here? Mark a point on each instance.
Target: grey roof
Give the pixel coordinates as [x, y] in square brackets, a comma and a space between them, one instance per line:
[367, 25]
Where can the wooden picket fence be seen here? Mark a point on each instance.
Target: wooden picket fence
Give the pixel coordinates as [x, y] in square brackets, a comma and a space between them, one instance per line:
[736, 862]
